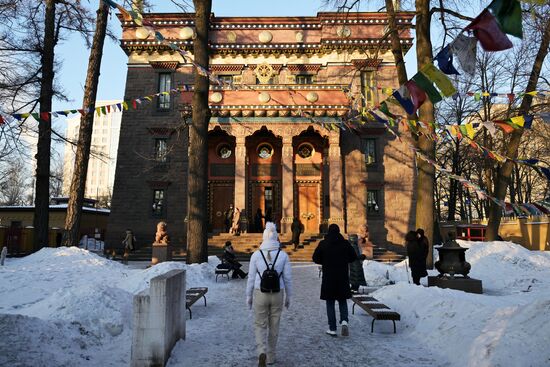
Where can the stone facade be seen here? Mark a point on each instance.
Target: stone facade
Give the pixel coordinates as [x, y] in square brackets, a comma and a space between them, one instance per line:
[274, 141]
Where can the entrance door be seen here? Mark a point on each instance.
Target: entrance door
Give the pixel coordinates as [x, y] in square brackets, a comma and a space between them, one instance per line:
[222, 197]
[263, 198]
[308, 206]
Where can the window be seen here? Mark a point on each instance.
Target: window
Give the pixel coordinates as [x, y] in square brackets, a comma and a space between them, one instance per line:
[368, 87]
[372, 202]
[369, 150]
[165, 80]
[161, 150]
[158, 202]
[304, 79]
[226, 79]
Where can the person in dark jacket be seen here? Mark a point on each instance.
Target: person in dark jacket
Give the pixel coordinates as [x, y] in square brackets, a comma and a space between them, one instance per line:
[356, 274]
[230, 258]
[334, 253]
[296, 229]
[228, 218]
[258, 221]
[417, 259]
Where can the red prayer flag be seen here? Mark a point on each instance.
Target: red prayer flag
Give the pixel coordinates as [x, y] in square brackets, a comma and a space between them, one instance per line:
[134, 104]
[108, 109]
[418, 96]
[45, 116]
[504, 126]
[1, 120]
[487, 31]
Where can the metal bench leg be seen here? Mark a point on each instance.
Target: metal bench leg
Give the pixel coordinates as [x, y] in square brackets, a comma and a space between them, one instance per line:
[205, 301]
[353, 309]
[217, 277]
[372, 325]
[394, 331]
[190, 313]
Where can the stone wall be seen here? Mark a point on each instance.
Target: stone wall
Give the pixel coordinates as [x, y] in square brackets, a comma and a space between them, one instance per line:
[158, 320]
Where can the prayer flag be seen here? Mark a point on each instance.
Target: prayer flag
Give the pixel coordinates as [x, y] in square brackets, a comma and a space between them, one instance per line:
[518, 120]
[427, 86]
[487, 31]
[504, 126]
[402, 96]
[35, 116]
[98, 111]
[464, 48]
[528, 121]
[1, 120]
[441, 80]
[45, 116]
[511, 97]
[103, 110]
[445, 61]
[134, 104]
[125, 105]
[490, 127]
[508, 15]
[418, 96]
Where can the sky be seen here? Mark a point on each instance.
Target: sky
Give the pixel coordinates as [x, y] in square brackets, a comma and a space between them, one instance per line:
[73, 53]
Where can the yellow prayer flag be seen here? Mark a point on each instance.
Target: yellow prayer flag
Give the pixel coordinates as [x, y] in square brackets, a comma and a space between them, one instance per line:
[125, 105]
[470, 130]
[98, 111]
[441, 80]
[518, 120]
[486, 94]
[532, 93]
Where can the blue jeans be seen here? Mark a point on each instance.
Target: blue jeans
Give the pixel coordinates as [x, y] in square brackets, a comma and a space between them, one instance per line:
[331, 312]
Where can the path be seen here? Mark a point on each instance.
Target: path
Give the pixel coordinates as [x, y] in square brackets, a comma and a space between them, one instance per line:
[222, 333]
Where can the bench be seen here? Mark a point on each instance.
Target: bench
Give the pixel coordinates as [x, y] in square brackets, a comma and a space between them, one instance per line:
[222, 271]
[193, 295]
[376, 309]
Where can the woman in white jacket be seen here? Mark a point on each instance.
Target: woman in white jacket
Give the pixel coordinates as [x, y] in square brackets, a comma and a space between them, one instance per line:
[268, 306]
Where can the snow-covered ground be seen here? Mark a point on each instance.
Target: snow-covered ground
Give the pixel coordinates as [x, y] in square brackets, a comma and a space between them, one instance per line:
[70, 307]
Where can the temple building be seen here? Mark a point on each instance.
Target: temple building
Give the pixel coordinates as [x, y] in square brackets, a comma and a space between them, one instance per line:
[279, 137]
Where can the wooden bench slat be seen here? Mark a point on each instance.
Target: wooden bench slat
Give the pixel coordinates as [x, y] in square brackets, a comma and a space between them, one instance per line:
[376, 309]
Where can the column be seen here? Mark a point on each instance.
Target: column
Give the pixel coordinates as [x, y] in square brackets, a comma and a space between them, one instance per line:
[287, 184]
[335, 181]
[240, 179]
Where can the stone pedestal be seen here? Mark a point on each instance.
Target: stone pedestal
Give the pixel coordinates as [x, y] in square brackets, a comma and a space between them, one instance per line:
[161, 253]
[469, 285]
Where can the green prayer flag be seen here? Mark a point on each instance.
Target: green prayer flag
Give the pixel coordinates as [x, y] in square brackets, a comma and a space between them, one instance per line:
[427, 86]
[508, 15]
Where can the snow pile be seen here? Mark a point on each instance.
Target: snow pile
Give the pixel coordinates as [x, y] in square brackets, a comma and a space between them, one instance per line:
[506, 326]
[74, 297]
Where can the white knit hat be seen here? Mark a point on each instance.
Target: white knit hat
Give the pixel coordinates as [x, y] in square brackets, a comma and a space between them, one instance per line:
[270, 236]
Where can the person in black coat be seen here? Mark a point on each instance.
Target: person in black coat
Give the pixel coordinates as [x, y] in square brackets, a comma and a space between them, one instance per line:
[296, 228]
[417, 257]
[230, 258]
[423, 242]
[258, 221]
[356, 274]
[334, 253]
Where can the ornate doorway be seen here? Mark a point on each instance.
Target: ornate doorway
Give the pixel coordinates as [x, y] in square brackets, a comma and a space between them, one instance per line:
[265, 196]
[308, 206]
[221, 196]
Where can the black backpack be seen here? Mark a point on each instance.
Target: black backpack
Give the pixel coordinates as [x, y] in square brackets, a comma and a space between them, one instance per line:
[269, 282]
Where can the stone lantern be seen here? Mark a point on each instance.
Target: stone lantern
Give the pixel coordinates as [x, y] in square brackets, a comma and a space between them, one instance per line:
[453, 269]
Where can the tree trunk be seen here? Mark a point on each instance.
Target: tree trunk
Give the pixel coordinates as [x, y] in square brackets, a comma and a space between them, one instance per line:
[197, 230]
[396, 48]
[503, 176]
[426, 172]
[78, 183]
[42, 191]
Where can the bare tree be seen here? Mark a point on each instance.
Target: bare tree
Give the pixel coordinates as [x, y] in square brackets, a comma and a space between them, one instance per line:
[14, 183]
[512, 147]
[78, 183]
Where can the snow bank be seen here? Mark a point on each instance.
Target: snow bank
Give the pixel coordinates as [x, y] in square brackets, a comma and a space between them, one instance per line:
[507, 326]
[83, 297]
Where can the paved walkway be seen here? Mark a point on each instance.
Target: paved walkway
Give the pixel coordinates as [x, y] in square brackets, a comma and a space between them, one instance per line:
[222, 333]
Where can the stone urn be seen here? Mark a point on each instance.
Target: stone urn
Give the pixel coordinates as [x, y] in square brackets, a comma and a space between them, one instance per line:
[452, 260]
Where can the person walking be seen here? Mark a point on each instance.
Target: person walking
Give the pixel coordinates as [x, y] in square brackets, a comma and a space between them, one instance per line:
[365, 245]
[424, 244]
[236, 225]
[417, 260]
[269, 281]
[129, 241]
[334, 253]
[230, 258]
[356, 274]
[296, 228]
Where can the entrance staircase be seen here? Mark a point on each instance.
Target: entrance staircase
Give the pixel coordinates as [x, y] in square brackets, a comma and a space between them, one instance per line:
[246, 243]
